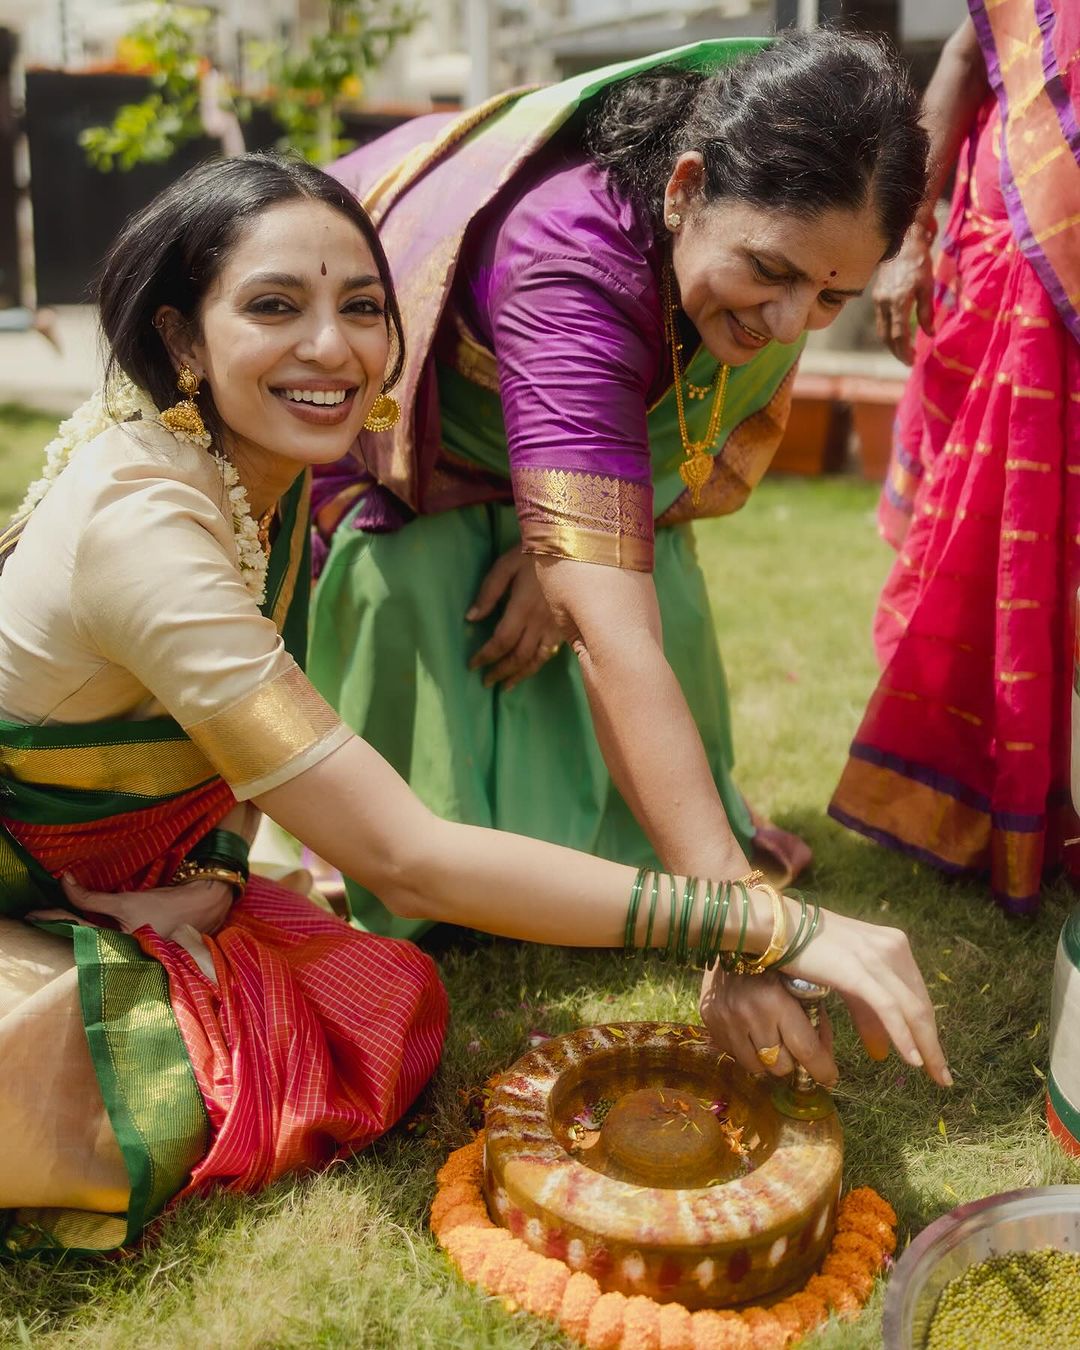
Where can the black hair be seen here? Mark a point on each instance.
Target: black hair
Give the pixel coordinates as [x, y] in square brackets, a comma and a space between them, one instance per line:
[813, 121]
[171, 251]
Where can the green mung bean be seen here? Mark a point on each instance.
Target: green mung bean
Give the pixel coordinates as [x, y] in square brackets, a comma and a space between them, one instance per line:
[1019, 1301]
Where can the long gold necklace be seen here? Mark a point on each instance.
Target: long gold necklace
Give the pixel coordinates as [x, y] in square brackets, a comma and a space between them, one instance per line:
[698, 464]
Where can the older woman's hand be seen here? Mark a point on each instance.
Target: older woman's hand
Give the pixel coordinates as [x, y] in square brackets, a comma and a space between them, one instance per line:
[526, 636]
[873, 970]
[905, 281]
[748, 1013]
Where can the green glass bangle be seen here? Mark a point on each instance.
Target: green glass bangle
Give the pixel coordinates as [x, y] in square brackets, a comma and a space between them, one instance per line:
[710, 911]
[682, 947]
[794, 943]
[730, 960]
[668, 952]
[718, 937]
[800, 944]
[655, 895]
[223, 848]
[629, 944]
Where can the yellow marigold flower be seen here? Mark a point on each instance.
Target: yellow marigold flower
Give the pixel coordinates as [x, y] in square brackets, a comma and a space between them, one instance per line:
[676, 1327]
[581, 1294]
[605, 1328]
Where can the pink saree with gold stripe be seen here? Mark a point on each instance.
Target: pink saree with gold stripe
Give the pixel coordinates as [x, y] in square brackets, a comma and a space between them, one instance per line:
[962, 757]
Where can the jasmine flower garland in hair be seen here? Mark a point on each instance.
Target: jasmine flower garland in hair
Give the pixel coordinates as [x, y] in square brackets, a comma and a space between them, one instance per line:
[124, 401]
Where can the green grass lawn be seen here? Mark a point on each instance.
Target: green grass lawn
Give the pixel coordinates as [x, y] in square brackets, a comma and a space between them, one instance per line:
[344, 1259]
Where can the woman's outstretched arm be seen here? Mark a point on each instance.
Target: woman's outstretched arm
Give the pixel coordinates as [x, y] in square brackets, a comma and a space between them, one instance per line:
[356, 811]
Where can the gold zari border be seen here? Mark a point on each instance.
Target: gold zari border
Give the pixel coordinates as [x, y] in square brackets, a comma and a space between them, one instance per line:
[569, 541]
[266, 730]
[585, 516]
[146, 769]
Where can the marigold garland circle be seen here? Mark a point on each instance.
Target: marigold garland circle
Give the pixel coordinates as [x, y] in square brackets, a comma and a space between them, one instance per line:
[490, 1257]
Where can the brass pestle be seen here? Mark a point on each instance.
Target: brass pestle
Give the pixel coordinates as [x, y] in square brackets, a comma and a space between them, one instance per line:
[800, 1096]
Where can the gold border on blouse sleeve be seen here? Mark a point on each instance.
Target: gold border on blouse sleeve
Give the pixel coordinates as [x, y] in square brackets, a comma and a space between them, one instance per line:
[266, 730]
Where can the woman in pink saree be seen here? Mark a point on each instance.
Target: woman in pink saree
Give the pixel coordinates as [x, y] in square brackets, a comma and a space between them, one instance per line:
[962, 757]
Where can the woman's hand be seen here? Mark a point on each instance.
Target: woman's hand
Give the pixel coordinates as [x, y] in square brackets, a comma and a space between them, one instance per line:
[904, 281]
[526, 635]
[872, 969]
[748, 1013]
[202, 905]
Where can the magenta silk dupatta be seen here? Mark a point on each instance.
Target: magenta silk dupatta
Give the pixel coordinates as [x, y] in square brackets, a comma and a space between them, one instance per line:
[962, 758]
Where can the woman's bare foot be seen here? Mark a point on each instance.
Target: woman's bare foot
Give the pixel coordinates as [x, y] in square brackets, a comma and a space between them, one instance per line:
[782, 855]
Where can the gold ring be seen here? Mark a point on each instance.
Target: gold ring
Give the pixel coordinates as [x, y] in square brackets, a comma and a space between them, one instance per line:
[768, 1055]
[551, 651]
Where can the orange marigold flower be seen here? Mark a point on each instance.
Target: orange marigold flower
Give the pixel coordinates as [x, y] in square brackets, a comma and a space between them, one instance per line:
[519, 1272]
[676, 1327]
[448, 1198]
[495, 1263]
[469, 1157]
[852, 1271]
[870, 1226]
[720, 1331]
[863, 1248]
[543, 1295]
[811, 1309]
[765, 1328]
[579, 1297]
[789, 1319]
[468, 1248]
[835, 1293]
[641, 1324]
[472, 1215]
[605, 1328]
[867, 1198]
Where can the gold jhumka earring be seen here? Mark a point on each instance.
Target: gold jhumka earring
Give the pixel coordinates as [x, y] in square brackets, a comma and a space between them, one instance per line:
[384, 414]
[184, 416]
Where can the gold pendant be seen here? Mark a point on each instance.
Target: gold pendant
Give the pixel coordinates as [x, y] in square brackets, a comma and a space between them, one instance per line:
[695, 473]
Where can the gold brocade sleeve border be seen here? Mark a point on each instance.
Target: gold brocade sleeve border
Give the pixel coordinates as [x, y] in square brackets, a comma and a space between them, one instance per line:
[271, 735]
[584, 516]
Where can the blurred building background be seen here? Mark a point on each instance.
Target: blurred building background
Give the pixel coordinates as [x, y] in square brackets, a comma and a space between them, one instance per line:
[59, 74]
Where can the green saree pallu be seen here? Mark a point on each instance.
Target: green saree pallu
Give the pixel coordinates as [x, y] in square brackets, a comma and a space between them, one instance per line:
[556, 433]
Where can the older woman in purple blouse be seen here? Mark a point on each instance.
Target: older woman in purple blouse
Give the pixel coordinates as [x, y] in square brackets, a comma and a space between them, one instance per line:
[605, 286]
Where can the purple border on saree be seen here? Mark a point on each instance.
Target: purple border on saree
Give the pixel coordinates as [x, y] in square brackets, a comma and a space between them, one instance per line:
[1047, 21]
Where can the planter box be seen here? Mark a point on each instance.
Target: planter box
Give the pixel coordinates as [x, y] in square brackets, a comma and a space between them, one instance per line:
[816, 438]
[873, 405]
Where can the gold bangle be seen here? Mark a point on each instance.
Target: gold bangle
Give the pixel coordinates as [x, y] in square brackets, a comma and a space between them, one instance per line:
[190, 870]
[777, 942]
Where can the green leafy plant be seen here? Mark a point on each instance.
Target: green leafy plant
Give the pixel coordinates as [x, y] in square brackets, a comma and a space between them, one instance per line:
[171, 44]
[304, 88]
